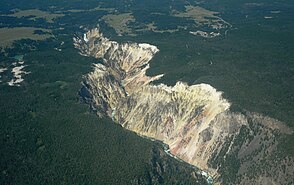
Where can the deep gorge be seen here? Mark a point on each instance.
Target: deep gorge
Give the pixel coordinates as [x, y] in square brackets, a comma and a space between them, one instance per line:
[194, 121]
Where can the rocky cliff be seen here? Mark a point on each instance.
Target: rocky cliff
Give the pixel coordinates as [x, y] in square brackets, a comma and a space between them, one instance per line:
[194, 121]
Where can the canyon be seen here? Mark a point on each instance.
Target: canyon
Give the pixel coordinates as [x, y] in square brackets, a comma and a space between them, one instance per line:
[195, 121]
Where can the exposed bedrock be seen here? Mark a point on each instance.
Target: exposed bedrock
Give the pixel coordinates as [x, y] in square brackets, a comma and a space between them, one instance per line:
[195, 121]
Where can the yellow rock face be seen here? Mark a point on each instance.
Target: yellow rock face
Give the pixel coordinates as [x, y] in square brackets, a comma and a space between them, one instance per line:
[195, 121]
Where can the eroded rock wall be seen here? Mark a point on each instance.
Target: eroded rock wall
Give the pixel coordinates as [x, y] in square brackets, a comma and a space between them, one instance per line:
[195, 121]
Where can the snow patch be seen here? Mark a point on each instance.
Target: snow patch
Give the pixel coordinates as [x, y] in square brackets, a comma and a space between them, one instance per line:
[18, 72]
[205, 34]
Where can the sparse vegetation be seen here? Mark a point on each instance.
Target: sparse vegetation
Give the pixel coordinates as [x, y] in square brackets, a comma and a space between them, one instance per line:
[120, 22]
[34, 14]
[10, 35]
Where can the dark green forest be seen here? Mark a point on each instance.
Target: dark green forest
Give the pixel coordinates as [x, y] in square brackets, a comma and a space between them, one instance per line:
[50, 136]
